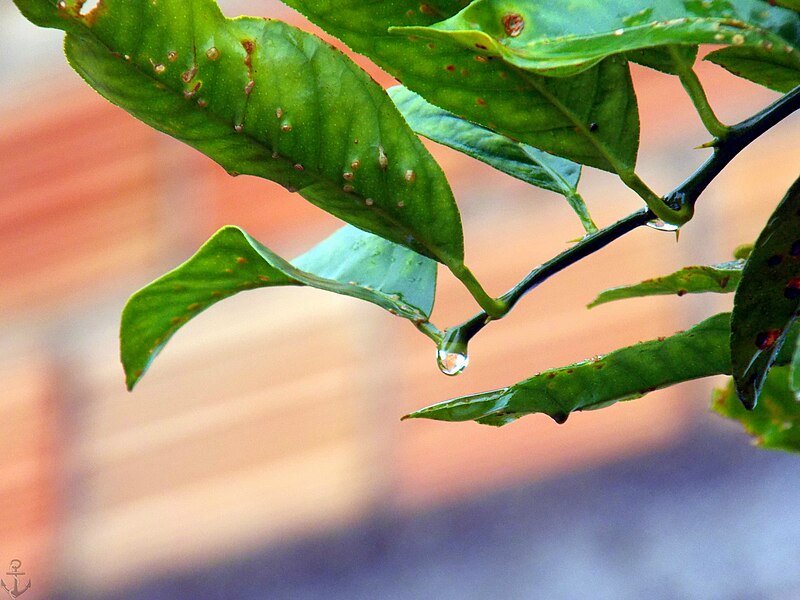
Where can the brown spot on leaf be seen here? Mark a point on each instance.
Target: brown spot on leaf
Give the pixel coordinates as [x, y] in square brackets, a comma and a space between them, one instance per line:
[513, 24]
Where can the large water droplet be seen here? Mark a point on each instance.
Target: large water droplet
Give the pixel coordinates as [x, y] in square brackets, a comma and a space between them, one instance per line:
[662, 225]
[451, 363]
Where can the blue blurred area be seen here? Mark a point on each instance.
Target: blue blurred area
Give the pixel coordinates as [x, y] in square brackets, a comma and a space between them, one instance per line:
[710, 518]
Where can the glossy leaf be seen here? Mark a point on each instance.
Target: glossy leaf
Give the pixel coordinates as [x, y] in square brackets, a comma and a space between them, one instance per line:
[514, 158]
[565, 38]
[775, 422]
[350, 262]
[720, 279]
[624, 374]
[767, 299]
[591, 118]
[263, 98]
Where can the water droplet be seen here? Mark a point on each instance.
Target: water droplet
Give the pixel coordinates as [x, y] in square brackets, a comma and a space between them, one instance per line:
[212, 53]
[62, 4]
[513, 24]
[619, 32]
[593, 126]
[410, 176]
[661, 225]
[238, 128]
[451, 363]
[172, 56]
[719, 37]
[369, 201]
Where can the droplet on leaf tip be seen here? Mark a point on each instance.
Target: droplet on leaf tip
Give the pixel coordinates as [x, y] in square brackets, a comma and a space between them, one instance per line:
[451, 363]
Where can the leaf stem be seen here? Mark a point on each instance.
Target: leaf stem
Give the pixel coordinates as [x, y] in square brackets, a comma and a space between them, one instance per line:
[737, 138]
[461, 334]
[494, 307]
[697, 94]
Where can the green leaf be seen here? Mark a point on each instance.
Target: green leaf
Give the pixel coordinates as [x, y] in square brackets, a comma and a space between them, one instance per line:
[591, 118]
[514, 158]
[793, 4]
[720, 279]
[661, 59]
[775, 65]
[624, 374]
[350, 262]
[263, 98]
[565, 38]
[767, 300]
[775, 422]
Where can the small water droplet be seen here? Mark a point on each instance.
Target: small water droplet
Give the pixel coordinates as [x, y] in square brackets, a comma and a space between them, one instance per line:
[410, 176]
[62, 4]
[369, 201]
[619, 32]
[513, 24]
[661, 225]
[212, 53]
[238, 128]
[451, 363]
[719, 37]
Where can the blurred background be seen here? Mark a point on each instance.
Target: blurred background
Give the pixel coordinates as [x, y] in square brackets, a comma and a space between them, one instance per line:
[263, 455]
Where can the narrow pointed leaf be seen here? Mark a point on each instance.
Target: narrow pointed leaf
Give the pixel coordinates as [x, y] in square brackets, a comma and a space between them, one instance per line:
[775, 422]
[719, 279]
[564, 38]
[519, 160]
[350, 262]
[767, 300]
[591, 118]
[263, 98]
[624, 374]
[794, 376]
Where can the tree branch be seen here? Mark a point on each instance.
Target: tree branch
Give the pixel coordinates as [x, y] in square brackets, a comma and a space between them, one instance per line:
[681, 199]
